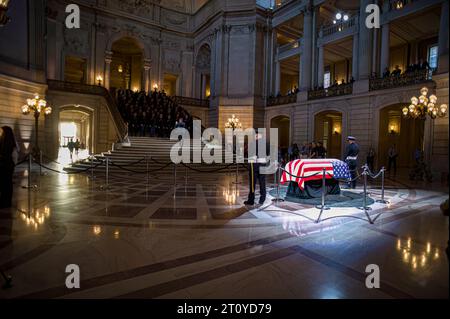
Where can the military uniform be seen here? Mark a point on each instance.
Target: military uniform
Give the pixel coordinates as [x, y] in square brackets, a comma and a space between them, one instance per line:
[254, 176]
[351, 158]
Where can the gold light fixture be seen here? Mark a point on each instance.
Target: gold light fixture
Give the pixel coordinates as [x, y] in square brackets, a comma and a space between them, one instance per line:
[423, 105]
[233, 122]
[398, 5]
[120, 68]
[4, 19]
[99, 80]
[37, 106]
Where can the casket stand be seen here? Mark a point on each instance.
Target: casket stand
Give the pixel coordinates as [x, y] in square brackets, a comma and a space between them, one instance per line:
[313, 189]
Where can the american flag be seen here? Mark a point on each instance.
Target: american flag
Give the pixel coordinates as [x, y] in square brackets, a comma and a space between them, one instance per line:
[311, 169]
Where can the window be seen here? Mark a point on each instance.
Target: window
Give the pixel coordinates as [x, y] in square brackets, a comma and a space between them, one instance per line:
[433, 56]
[326, 79]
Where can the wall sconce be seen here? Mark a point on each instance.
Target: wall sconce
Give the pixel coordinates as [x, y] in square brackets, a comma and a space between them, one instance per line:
[4, 19]
[99, 80]
[336, 130]
[393, 129]
[135, 89]
[155, 86]
[120, 68]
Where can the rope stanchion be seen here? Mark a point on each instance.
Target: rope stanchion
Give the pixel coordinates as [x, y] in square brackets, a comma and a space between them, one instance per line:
[236, 181]
[29, 186]
[382, 200]
[278, 198]
[366, 208]
[146, 167]
[106, 186]
[92, 167]
[323, 207]
[174, 180]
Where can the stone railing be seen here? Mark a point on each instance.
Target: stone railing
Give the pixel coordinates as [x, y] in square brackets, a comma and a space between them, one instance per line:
[94, 90]
[279, 100]
[288, 46]
[417, 77]
[399, 4]
[184, 100]
[280, 3]
[332, 91]
[338, 27]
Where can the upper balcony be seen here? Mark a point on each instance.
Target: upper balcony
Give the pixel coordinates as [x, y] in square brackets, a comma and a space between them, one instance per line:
[332, 91]
[405, 79]
[282, 99]
[338, 31]
[289, 49]
[395, 9]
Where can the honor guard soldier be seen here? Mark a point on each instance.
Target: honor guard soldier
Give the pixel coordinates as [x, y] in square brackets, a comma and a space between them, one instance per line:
[351, 158]
[254, 163]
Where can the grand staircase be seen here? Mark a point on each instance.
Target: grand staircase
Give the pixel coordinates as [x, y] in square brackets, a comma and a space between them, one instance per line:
[141, 154]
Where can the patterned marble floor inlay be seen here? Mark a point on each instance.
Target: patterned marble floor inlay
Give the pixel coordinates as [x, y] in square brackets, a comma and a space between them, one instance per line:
[196, 239]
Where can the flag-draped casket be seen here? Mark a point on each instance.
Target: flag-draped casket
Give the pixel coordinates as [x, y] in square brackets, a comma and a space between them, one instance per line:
[305, 176]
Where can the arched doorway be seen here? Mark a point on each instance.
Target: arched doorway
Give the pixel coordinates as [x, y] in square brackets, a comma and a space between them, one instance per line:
[75, 124]
[328, 130]
[126, 65]
[406, 134]
[203, 72]
[282, 123]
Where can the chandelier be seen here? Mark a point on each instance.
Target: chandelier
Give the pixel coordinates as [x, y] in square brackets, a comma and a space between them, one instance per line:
[420, 107]
[340, 19]
[233, 123]
[37, 105]
[3, 8]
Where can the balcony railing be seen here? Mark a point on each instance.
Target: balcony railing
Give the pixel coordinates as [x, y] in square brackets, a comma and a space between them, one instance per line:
[338, 27]
[405, 79]
[183, 100]
[284, 99]
[399, 4]
[288, 46]
[332, 91]
[95, 90]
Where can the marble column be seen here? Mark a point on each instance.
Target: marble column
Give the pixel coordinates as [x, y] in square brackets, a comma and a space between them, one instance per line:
[306, 54]
[277, 77]
[355, 56]
[146, 82]
[203, 90]
[108, 60]
[320, 66]
[365, 43]
[384, 59]
[443, 39]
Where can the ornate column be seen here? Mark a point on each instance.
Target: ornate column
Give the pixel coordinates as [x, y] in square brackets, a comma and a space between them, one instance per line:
[365, 43]
[108, 60]
[320, 66]
[146, 82]
[384, 59]
[355, 56]
[306, 56]
[203, 89]
[277, 77]
[443, 39]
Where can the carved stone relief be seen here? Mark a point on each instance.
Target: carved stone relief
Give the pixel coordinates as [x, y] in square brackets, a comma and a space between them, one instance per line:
[172, 61]
[76, 42]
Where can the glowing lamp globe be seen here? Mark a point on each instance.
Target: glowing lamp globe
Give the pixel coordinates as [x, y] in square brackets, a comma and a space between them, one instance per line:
[424, 91]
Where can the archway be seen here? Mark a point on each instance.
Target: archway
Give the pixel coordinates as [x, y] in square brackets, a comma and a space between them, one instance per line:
[406, 134]
[75, 124]
[328, 130]
[203, 72]
[127, 64]
[283, 124]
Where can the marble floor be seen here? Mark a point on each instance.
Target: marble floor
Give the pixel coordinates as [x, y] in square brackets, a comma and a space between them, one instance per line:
[149, 239]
